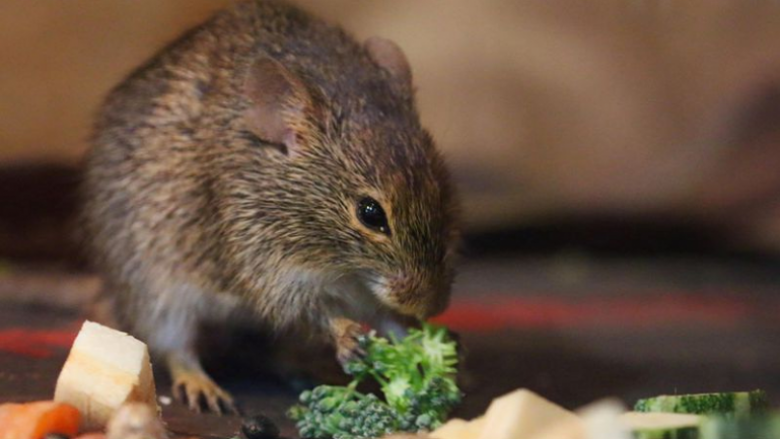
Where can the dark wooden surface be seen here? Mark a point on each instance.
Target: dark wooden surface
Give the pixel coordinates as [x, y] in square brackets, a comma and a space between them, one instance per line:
[569, 327]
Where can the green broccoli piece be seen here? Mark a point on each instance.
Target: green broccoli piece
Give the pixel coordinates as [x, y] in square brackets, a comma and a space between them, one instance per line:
[342, 413]
[416, 376]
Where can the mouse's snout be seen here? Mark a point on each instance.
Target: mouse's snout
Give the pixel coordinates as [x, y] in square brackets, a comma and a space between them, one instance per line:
[414, 294]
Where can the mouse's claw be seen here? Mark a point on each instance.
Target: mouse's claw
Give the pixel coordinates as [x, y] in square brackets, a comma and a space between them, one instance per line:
[346, 335]
[196, 389]
[193, 387]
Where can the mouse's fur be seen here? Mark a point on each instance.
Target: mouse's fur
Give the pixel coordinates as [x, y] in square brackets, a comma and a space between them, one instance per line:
[224, 177]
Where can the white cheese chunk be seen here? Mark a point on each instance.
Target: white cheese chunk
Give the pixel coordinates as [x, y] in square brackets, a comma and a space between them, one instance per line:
[602, 420]
[459, 429]
[105, 369]
[521, 415]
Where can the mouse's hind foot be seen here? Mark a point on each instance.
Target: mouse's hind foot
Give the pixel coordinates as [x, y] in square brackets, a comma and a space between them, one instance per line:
[193, 387]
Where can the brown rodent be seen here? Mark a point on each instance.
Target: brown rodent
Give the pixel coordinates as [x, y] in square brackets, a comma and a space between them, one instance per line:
[267, 167]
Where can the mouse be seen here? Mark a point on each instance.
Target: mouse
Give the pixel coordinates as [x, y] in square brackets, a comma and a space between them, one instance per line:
[267, 168]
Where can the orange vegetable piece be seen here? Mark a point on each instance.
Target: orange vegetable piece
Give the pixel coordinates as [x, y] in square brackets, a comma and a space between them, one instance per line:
[34, 420]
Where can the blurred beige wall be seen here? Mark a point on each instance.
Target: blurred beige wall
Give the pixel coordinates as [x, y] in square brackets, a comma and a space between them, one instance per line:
[557, 106]
[60, 57]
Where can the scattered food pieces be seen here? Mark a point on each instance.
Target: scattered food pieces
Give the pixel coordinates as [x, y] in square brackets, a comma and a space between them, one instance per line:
[259, 427]
[136, 421]
[38, 419]
[524, 415]
[108, 377]
[105, 369]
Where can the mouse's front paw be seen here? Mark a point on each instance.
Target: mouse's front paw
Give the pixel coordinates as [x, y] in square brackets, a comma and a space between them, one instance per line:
[346, 335]
[195, 389]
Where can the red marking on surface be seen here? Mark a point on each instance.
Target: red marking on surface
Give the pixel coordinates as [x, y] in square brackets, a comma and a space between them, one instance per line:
[34, 342]
[504, 312]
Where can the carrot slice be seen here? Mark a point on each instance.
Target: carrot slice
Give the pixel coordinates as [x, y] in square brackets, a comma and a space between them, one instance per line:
[35, 420]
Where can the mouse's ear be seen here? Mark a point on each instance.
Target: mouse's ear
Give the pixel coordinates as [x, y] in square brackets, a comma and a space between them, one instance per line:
[281, 110]
[389, 56]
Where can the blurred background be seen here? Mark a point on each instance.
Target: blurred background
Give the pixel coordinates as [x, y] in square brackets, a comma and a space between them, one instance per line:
[553, 115]
[604, 150]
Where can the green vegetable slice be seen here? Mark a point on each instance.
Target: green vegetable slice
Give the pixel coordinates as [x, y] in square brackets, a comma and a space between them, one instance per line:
[756, 427]
[729, 404]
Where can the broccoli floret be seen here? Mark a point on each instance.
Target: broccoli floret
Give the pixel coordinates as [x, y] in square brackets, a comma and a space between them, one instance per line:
[342, 413]
[416, 376]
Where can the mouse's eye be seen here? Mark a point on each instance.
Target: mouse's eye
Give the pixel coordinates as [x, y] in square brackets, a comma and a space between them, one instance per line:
[371, 214]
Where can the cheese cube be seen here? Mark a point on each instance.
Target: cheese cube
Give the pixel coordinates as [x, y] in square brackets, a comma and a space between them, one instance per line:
[602, 420]
[599, 420]
[563, 430]
[453, 429]
[105, 369]
[459, 429]
[522, 414]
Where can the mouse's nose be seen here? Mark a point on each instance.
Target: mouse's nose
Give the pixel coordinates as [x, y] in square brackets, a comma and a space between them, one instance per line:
[437, 306]
[420, 295]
